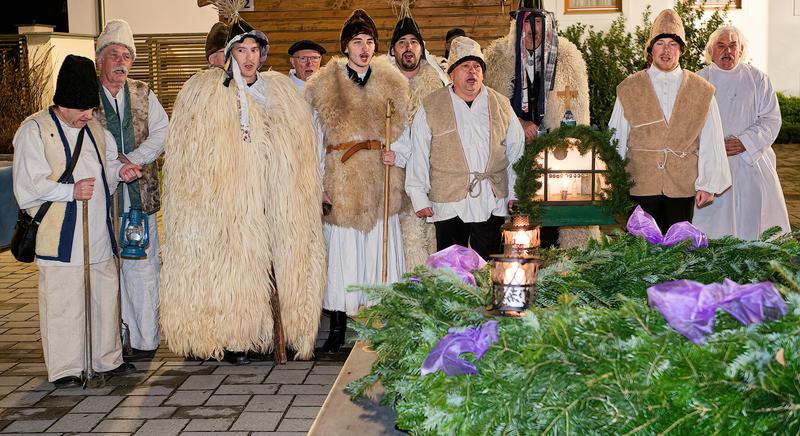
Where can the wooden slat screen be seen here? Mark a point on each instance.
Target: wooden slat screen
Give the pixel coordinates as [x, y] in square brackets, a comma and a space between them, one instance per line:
[285, 22]
[167, 61]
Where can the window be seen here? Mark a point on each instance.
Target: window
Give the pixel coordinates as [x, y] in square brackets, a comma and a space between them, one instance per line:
[592, 6]
[710, 4]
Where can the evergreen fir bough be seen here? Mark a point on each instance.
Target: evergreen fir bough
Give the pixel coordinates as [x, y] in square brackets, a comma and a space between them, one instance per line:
[598, 360]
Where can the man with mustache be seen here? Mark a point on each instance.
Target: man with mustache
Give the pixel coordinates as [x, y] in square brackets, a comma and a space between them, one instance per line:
[306, 58]
[45, 145]
[350, 96]
[407, 52]
[751, 120]
[668, 126]
[465, 140]
[131, 112]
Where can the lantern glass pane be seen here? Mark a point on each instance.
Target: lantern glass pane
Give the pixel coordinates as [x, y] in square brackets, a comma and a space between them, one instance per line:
[573, 160]
[600, 184]
[515, 272]
[567, 187]
[525, 238]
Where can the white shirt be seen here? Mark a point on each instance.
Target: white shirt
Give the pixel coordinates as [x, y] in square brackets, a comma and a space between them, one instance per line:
[298, 83]
[32, 187]
[157, 125]
[714, 176]
[474, 132]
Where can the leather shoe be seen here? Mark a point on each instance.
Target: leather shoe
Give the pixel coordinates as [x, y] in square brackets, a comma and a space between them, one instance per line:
[69, 381]
[124, 369]
[237, 358]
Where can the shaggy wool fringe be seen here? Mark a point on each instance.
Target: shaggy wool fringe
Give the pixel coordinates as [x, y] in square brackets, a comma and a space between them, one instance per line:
[231, 210]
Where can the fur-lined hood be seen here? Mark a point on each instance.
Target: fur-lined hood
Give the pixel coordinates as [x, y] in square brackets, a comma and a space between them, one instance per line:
[349, 112]
[570, 71]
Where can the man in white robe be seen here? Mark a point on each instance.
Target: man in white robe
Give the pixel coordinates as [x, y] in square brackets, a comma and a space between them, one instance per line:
[751, 120]
[466, 202]
[43, 147]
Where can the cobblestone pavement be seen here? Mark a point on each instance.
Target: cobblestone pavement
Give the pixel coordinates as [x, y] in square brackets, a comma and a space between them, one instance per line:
[169, 395]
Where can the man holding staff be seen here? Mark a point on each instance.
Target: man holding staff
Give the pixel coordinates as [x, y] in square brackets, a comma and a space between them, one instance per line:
[350, 99]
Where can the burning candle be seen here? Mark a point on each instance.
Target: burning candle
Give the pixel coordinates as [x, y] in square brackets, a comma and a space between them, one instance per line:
[514, 274]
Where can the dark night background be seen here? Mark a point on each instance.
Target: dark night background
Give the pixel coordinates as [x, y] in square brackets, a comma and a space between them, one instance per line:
[52, 12]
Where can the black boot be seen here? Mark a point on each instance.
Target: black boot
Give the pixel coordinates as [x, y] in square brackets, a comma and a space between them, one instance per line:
[338, 328]
[236, 358]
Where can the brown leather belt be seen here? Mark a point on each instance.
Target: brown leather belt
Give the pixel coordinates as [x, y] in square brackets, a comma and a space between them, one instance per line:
[353, 147]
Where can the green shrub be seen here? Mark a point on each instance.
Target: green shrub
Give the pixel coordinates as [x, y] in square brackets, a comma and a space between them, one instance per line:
[790, 112]
[616, 53]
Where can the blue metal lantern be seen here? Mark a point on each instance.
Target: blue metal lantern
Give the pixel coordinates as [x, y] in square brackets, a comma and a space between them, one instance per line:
[134, 234]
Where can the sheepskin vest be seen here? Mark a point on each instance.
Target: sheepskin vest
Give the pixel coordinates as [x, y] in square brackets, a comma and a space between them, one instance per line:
[143, 192]
[57, 230]
[236, 210]
[663, 156]
[449, 174]
[570, 71]
[348, 113]
[422, 85]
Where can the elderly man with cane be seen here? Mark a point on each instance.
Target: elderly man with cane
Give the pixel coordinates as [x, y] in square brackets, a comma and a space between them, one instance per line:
[60, 155]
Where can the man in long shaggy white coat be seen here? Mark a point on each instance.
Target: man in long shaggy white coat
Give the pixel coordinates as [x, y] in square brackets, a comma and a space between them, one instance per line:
[240, 171]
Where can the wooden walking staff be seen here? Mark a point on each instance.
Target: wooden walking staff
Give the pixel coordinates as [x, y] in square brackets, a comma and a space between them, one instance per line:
[91, 379]
[386, 168]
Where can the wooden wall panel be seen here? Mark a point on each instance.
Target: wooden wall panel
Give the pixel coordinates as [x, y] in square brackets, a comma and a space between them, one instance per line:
[285, 22]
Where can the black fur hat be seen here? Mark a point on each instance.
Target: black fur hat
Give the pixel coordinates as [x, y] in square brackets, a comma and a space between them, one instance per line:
[358, 22]
[76, 87]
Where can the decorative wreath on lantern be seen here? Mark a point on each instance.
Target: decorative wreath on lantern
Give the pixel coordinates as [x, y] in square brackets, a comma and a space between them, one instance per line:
[614, 197]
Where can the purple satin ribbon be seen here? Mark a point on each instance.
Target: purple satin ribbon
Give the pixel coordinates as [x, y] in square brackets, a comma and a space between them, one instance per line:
[643, 224]
[690, 307]
[461, 260]
[445, 354]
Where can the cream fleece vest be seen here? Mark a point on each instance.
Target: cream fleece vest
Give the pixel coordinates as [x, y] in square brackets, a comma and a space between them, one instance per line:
[663, 157]
[53, 240]
[139, 99]
[449, 173]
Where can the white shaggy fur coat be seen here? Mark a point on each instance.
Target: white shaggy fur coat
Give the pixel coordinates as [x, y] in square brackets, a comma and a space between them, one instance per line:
[232, 211]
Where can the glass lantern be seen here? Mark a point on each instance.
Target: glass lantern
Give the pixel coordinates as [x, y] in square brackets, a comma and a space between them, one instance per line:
[514, 283]
[520, 237]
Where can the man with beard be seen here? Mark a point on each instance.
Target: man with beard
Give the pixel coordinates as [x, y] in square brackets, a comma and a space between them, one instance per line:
[668, 126]
[306, 58]
[527, 66]
[243, 247]
[350, 97]
[407, 52]
[751, 120]
[530, 62]
[131, 112]
[465, 141]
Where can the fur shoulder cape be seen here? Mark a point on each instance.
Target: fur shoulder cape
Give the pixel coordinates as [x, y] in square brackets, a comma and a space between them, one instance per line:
[233, 211]
[570, 71]
[422, 85]
[348, 112]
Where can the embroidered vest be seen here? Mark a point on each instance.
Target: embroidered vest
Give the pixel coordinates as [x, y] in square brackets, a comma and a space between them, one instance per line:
[144, 192]
[451, 179]
[57, 230]
[663, 157]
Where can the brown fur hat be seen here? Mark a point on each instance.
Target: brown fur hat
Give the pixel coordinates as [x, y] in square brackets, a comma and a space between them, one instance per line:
[358, 22]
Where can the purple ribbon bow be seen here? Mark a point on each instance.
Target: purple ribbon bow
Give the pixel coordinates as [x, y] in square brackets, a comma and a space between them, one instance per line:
[643, 224]
[690, 307]
[460, 259]
[445, 354]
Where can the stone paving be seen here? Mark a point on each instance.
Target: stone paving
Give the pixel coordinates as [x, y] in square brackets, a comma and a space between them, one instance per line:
[169, 395]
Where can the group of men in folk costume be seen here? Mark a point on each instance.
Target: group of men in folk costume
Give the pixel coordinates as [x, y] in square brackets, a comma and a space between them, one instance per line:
[248, 264]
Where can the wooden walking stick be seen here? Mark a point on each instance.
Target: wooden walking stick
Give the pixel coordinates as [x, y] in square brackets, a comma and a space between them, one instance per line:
[124, 330]
[386, 168]
[90, 378]
[279, 338]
